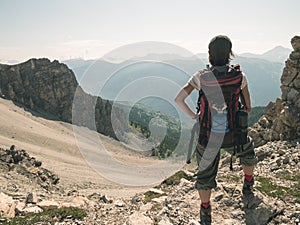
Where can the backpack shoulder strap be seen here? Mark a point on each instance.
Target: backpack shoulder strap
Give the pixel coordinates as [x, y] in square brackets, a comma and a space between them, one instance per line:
[237, 68]
[199, 101]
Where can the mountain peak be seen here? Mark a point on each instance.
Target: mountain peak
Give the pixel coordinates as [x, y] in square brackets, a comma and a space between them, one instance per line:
[276, 54]
[278, 50]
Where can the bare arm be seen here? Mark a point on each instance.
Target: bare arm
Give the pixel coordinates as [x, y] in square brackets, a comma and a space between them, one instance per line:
[247, 98]
[180, 100]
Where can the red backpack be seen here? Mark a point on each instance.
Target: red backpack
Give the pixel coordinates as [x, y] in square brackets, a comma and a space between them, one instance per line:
[219, 102]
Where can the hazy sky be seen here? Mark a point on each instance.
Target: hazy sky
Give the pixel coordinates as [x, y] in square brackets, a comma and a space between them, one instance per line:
[63, 29]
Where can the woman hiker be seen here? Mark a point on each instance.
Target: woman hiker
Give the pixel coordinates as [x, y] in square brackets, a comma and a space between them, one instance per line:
[220, 51]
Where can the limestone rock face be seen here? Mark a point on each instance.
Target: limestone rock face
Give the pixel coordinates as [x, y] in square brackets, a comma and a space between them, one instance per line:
[282, 118]
[49, 87]
[40, 84]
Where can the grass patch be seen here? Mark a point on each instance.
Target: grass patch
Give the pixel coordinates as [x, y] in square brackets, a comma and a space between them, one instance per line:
[175, 178]
[292, 177]
[149, 195]
[295, 189]
[156, 207]
[268, 187]
[55, 215]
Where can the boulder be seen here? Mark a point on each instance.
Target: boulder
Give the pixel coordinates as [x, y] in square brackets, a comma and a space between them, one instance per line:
[7, 206]
[79, 201]
[119, 203]
[156, 191]
[20, 207]
[48, 205]
[32, 209]
[138, 218]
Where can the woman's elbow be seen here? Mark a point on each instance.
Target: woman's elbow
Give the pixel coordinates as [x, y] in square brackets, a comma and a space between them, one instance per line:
[176, 99]
[182, 95]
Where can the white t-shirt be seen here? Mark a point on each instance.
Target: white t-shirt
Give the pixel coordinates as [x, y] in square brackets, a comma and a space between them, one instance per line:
[195, 81]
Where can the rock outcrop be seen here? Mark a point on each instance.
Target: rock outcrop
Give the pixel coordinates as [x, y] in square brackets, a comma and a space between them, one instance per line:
[40, 85]
[174, 201]
[22, 163]
[281, 120]
[49, 87]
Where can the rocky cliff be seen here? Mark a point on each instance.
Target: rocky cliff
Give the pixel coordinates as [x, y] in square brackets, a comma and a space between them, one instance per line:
[49, 87]
[281, 120]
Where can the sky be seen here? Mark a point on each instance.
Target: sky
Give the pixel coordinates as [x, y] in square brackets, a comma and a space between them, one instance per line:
[65, 29]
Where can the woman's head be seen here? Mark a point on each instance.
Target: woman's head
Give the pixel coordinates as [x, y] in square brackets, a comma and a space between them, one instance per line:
[219, 50]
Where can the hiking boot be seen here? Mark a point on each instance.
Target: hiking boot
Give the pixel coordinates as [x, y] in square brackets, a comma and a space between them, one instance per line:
[248, 195]
[248, 188]
[205, 216]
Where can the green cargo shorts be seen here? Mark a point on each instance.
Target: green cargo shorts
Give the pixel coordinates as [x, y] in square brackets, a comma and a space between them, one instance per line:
[206, 176]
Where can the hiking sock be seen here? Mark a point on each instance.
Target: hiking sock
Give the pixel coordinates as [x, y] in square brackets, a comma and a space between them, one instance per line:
[249, 178]
[205, 205]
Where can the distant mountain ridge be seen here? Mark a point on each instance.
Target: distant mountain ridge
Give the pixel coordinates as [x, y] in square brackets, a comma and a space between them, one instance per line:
[277, 54]
[263, 74]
